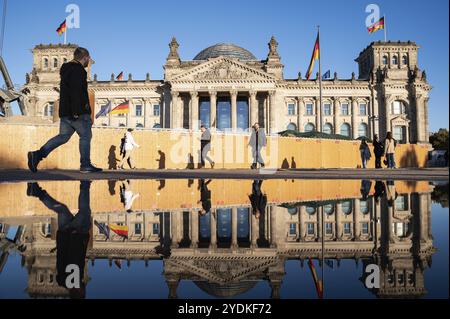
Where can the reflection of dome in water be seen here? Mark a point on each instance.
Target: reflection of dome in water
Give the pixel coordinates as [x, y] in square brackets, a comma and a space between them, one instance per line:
[225, 49]
[227, 290]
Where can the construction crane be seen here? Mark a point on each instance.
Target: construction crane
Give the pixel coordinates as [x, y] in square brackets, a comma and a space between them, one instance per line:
[8, 94]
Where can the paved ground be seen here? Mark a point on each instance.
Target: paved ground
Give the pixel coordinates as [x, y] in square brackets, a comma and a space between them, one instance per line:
[427, 174]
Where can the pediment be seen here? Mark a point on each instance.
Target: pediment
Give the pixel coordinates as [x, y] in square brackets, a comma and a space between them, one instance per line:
[401, 119]
[221, 69]
[224, 270]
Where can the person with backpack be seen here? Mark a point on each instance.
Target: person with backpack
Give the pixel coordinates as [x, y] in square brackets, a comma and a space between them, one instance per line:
[128, 145]
[365, 152]
[378, 150]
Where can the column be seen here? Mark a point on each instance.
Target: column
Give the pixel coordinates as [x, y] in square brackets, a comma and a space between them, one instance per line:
[336, 104]
[253, 108]
[234, 243]
[376, 115]
[254, 233]
[194, 229]
[338, 221]
[173, 106]
[174, 225]
[233, 95]
[146, 104]
[213, 104]
[354, 115]
[129, 113]
[272, 112]
[419, 119]
[213, 230]
[180, 115]
[300, 212]
[194, 118]
[356, 219]
[273, 227]
[300, 113]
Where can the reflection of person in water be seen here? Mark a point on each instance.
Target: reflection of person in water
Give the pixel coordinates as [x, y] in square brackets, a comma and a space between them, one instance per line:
[205, 196]
[391, 193]
[258, 199]
[127, 195]
[72, 237]
[380, 190]
[365, 188]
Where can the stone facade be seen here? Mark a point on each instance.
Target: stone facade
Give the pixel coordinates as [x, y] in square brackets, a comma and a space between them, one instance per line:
[227, 88]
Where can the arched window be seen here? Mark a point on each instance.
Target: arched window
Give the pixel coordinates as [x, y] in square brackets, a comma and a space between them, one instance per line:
[292, 126]
[385, 60]
[401, 229]
[104, 124]
[347, 207]
[45, 63]
[395, 60]
[55, 62]
[292, 210]
[310, 210]
[309, 127]
[397, 107]
[157, 125]
[139, 125]
[404, 60]
[328, 209]
[362, 130]
[65, 60]
[345, 129]
[328, 128]
[363, 207]
[49, 108]
[121, 125]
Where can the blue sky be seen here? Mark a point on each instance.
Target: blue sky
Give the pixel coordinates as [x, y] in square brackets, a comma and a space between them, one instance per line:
[133, 35]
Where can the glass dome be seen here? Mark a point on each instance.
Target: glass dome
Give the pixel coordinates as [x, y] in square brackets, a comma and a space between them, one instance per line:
[225, 49]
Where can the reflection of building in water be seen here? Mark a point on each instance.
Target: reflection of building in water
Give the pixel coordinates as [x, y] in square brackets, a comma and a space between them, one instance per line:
[228, 250]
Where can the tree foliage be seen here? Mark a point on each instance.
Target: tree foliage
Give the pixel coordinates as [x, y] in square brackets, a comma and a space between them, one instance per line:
[439, 140]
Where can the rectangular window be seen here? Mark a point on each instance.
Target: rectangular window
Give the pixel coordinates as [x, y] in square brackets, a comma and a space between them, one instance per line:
[292, 229]
[365, 228]
[328, 228]
[155, 229]
[401, 202]
[344, 109]
[138, 110]
[399, 133]
[347, 228]
[291, 109]
[327, 109]
[363, 109]
[310, 228]
[397, 107]
[138, 229]
[309, 109]
[156, 110]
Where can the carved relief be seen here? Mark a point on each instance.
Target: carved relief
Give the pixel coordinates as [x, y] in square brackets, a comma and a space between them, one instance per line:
[222, 71]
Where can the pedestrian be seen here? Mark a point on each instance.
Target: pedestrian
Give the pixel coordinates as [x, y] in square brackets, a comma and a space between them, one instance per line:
[129, 145]
[378, 150]
[365, 153]
[205, 143]
[257, 141]
[74, 113]
[389, 148]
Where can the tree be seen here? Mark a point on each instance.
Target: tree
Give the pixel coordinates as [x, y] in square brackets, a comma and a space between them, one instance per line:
[439, 140]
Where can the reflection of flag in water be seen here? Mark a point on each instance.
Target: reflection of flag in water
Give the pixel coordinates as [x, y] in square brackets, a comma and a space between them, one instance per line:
[118, 263]
[119, 230]
[105, 109]
[120, 76]
[103, 228]
[122, 108]
[317, 282]
[326, 75]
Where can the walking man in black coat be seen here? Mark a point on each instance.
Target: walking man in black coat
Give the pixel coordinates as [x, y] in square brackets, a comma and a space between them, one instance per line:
[378, 150]
[74, 112]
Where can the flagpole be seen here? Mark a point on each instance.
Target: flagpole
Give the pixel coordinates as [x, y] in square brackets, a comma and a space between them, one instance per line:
[321, 122]
[385, 32]
[320, 82]
[65, 36]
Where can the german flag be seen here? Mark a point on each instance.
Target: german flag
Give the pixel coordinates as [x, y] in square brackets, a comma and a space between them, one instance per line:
[318, 283]
[119, 230]
[315, 56]
[62, 28]
[119, 77]
[123, 108]
[379, 25]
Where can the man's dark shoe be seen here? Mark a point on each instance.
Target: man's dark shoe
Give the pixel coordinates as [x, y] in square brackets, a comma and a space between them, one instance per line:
[33, 161]
[90, 169]
[253, 166]
[33, 189]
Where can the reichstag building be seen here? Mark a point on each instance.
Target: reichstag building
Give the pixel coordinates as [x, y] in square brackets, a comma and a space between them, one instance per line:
[227, 88]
